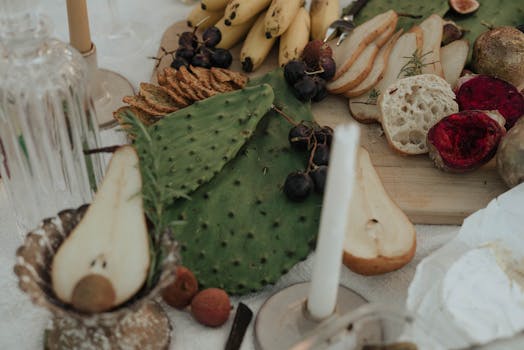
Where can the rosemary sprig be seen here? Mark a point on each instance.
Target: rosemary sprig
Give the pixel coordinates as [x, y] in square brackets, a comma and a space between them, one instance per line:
[155, 200]
[373, 96]
[415, 64]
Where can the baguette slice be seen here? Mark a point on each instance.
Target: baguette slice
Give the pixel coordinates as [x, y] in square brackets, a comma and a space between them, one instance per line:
[357, 73]
[349, 50]
[453, 57]
[364, 108]
[380, 238]
[410, 107]
[432, 29]
[383, 38]
[377, 71]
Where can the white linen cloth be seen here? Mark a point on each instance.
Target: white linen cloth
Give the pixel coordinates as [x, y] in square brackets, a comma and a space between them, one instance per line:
[22, 323]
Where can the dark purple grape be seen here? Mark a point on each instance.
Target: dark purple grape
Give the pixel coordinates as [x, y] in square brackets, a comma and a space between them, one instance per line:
[320, 89]
[329, 66]
[324, 135]
[321, 156]
[211, 36]
[185, 52]
[299, 136]
[178, 62]
[221, 58]
[298, 186]
[188, 39]
[520, 27]
[319, 176]
[294, 71]
[201, 60]
[305, 88]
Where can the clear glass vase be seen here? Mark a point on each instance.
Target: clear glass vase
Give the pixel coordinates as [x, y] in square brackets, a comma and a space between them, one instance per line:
[47, 118]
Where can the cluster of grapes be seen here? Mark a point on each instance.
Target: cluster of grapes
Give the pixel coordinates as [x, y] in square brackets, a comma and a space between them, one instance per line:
[309, 75]
[317, 141]
[201, 53]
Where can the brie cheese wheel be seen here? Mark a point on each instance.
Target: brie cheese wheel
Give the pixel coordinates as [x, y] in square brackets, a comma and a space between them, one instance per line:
[480, 296]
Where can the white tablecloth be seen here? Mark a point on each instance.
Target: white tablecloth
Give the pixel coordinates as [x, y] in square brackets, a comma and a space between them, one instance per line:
[22, 324]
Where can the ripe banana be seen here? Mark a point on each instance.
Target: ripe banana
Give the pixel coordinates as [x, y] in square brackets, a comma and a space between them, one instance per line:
[323, 13]
[241, 11]
[295, 38]
[280, 15]
[256, 46]
[197, 16]
[231, 35]
[213, 5]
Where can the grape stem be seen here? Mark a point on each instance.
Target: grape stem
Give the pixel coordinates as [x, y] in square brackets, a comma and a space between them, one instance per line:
[321, 70]
[284, 115]
[108, 149]
[312, 154]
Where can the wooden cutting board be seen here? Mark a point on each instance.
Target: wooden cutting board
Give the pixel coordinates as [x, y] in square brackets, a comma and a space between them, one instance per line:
[426, 194]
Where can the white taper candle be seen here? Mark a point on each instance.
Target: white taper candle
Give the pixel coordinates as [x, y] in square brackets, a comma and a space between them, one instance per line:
[333, 221]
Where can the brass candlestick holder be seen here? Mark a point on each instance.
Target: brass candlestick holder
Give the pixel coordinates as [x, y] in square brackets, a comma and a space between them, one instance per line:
[138, 324]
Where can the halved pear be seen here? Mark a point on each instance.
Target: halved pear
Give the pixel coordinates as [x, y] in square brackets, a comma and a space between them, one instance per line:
[111, 240]
[379, 237]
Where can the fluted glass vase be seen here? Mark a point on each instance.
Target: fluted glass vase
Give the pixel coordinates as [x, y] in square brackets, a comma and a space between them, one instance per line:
[47, 118]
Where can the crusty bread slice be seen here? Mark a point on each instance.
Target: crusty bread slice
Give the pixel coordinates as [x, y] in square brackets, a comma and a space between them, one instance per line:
[376, 73]
[349, 50]
[453, 57]
[420, 35]
[383, 38]
[379, 237]
[358, 71]
[432, 29]
[410, 107]
[364, 108]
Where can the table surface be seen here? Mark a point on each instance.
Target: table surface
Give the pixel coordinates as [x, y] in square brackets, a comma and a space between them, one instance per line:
[22, 324]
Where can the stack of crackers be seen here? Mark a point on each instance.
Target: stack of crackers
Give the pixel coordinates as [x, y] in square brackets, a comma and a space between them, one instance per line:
[177, 89]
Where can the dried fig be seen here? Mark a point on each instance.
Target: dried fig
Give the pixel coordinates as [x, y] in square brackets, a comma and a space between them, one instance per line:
[464, 7]
[466, 140]
[482, 92]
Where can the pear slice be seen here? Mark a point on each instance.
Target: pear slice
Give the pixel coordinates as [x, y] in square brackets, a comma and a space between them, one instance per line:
[379, 237]
[111, 241]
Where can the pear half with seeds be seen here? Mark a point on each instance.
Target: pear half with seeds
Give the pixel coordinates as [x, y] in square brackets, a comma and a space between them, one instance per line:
[379, 237]
[105, 260]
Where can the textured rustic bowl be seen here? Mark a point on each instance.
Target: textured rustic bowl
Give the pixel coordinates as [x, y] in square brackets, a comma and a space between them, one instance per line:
[140, 323]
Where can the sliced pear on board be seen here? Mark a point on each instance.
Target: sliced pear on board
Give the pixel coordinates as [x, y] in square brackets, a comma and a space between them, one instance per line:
[379, 237]
[110, 242]
[453, 57]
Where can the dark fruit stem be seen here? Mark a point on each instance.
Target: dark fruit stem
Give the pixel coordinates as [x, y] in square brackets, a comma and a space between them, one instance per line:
[284, 115]
[409, 15]
[108, 149]
[312, 154]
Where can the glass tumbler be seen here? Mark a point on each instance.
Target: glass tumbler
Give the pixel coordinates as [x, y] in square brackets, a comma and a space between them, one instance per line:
[47, 118]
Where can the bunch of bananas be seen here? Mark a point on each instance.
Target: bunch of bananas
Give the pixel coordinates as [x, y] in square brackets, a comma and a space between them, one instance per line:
[262, 22]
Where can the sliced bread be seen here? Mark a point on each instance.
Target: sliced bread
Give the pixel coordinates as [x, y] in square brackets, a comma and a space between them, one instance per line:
[349, 50]
[377, 71]
[358, 71]
[410, 107]
[364, 108]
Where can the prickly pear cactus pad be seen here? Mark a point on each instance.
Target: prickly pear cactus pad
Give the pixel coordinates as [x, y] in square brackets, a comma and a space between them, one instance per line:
[241, 231]
[187, 148]
[490, 13]
[423, 8]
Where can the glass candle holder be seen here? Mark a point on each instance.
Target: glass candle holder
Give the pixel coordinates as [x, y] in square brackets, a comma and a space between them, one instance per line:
[47, 118]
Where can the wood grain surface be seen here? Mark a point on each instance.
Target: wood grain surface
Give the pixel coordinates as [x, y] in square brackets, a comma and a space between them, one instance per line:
[426, 194]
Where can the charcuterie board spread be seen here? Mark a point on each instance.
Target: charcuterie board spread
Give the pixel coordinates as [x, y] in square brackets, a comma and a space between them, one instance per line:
[425, 194]
[232, 139]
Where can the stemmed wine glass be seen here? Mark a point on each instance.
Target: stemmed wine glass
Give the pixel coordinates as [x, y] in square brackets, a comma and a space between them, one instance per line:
[116, 37]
